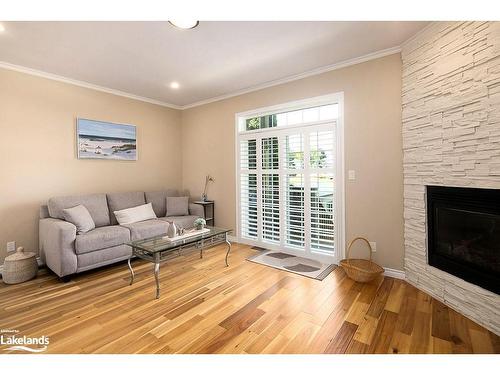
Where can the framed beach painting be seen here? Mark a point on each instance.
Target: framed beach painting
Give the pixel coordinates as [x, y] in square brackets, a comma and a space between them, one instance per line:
[105, 140]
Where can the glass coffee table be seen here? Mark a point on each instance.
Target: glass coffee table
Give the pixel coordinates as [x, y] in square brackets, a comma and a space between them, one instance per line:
[157, 249]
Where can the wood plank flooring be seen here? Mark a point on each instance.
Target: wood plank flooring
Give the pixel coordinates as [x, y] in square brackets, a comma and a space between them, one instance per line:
[206, 307]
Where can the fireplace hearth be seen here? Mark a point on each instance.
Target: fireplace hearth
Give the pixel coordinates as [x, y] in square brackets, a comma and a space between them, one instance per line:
[463, 227]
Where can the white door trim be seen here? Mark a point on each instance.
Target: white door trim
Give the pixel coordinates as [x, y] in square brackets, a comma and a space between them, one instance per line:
[334, 98]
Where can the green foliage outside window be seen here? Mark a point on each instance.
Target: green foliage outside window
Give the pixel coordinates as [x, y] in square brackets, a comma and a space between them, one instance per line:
[262, 122]
[318, 158]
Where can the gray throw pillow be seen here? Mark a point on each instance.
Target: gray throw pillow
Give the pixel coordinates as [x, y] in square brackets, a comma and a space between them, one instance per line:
[80, 217]
[177, 206]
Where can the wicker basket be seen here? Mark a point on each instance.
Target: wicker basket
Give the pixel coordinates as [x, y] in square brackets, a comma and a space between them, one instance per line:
[19, 267]
[361, 270]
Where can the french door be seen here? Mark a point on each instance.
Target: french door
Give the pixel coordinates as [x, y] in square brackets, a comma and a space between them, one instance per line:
[288, 190]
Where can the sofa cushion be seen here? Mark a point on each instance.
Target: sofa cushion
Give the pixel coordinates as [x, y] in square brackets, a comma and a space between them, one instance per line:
[101, 238]
[120, 201]
[147, 229]
[177, 206]
[80, 217]
[102, 257]
[135, 214]
[159, 200]
[186, 221]
[196, 209]
[96, 204]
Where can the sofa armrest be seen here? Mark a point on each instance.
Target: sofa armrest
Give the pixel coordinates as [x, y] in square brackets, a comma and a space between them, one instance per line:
[44, 212]
[196, 209]
[57, 245]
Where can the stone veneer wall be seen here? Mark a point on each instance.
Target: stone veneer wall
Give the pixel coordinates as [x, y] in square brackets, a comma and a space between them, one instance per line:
[451, 137]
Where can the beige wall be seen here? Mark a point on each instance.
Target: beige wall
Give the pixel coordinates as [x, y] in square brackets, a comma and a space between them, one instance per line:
[38, 153]
[373, 147]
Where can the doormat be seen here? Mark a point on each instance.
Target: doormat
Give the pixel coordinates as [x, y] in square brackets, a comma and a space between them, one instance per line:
[291, 263]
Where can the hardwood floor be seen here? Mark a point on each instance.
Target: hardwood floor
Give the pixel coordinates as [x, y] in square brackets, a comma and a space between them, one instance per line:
[245, 308]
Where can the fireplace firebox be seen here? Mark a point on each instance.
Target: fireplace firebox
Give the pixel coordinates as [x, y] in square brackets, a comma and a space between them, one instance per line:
[463, 228]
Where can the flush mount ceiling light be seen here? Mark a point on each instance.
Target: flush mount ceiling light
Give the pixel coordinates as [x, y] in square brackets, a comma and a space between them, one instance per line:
[184, 24]
[174, 85]
[2, 28]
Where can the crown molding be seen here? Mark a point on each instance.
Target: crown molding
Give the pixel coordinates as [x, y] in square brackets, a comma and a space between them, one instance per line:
[87, 85]
[323, 69]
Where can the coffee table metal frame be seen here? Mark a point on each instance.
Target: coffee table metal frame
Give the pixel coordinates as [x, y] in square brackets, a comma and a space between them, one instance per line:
[156, 249]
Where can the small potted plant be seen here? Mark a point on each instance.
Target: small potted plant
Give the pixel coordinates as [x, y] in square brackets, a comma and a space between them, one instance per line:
[200, 223]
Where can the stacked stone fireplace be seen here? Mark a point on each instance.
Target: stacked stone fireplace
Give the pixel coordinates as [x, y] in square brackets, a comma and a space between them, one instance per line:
[451, 138]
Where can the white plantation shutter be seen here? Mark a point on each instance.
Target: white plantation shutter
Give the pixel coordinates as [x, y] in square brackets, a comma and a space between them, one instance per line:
[322, 193]
[270, 153]
[270, 208]
[294, 152]
[270, 190]
[294, 211]
[248, 154]
[293, 163]
[248, 199]
[248, 188]
[322, 214]
[322, 149]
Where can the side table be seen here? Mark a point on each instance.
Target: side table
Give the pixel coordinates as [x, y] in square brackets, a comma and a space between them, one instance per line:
[208, 211]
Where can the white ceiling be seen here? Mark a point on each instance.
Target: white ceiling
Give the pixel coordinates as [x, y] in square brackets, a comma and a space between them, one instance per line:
[214, 59]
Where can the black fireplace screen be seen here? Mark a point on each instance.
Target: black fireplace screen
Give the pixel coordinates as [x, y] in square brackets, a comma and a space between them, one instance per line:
[464, 233]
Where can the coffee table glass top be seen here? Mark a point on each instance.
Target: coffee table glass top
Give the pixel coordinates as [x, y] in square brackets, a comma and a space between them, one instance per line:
[161, 243]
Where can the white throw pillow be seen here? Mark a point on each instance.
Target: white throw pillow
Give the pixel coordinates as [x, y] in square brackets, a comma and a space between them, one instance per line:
[135, 214]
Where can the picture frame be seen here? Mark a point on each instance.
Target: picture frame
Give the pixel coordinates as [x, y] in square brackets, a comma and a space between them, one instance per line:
[97, 139]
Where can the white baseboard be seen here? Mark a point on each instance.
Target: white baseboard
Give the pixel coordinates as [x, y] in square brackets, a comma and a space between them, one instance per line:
[38, 260]
[397, 274]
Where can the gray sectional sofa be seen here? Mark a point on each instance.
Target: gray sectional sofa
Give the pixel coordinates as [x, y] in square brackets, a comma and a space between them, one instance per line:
[65, 252]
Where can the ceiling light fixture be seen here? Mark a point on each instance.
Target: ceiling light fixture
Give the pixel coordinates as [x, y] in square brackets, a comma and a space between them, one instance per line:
[184, 24]
[2, 28]
[174, 85]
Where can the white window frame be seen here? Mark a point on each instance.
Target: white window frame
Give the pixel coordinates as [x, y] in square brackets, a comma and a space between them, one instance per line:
[335, 98]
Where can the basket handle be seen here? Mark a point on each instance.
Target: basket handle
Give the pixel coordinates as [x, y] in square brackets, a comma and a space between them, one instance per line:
[354, 240]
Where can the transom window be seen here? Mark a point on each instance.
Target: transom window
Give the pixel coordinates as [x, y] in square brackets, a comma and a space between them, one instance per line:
[296, 117]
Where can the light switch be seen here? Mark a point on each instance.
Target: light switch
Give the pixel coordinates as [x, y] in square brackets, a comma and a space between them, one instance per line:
[352, 174]
[374, 246]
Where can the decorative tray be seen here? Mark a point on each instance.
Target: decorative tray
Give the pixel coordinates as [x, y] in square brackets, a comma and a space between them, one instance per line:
[187, 234]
